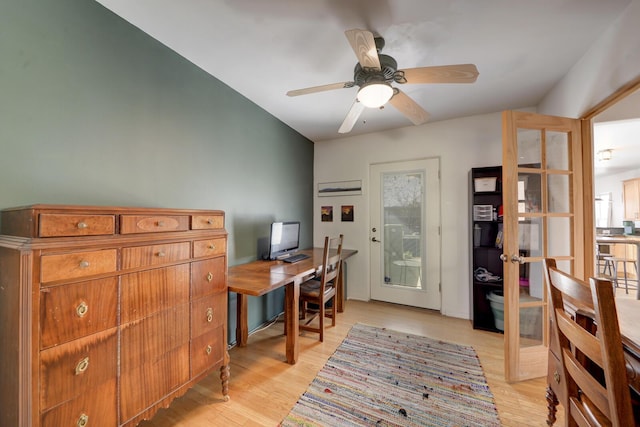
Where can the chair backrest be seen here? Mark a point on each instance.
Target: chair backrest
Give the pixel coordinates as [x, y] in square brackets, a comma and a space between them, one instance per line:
[596, 396]
[331, 260]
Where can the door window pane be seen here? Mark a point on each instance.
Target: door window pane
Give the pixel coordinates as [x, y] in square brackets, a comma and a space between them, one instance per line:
[529, 148]
[559, 236]
[529, 192]
[530, 237]
[558, 193]
[557, 144]
[530, 301]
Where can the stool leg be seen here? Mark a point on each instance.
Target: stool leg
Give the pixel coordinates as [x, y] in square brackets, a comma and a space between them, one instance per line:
[608, 267]
[624, 270]
[614, 273]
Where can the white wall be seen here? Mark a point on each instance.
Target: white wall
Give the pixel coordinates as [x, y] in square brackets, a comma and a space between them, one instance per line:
[460, 144]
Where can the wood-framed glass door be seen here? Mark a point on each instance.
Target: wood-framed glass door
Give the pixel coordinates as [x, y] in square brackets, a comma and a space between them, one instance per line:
[543, 217]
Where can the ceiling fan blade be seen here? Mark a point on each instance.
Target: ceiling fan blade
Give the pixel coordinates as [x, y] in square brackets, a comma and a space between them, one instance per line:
[460, 73]
[364, 45]
[409, 108]
[322, 88]
[352, 116]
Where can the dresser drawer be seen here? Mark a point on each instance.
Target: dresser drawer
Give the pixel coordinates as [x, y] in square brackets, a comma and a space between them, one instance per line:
[151, 382]
[208, 277]
[143, 256]
[96, 407]
[208, 313]
[150, 291]
[76, 310]
[77, 264]
[130, 224]
[146, 340]
[71, 369]
[207, 222]
[207, 351]
[66, 225]
[210, 247]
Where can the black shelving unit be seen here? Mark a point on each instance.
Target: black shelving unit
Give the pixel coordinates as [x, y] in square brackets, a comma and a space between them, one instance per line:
[486, 247]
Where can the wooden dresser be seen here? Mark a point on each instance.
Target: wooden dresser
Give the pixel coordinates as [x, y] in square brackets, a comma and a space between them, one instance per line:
[106, 313]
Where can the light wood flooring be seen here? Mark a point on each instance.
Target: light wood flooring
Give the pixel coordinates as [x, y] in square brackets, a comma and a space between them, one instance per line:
[263, 388]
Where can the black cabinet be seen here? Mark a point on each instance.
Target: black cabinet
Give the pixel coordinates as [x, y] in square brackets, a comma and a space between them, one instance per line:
[486, 248]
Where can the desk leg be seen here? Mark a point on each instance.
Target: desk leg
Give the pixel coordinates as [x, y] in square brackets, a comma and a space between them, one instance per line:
[242, 322]
[291, 301]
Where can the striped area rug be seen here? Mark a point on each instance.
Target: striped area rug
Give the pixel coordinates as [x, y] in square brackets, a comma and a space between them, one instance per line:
[381, 377]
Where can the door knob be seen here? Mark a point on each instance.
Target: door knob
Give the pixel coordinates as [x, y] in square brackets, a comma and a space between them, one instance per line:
[373, 239]
[517, 259]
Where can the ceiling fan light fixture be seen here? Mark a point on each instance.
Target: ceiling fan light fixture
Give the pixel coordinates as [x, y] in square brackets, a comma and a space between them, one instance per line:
[375, 95]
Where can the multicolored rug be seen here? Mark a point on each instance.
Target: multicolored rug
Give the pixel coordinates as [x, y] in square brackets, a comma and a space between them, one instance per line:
[380, 377]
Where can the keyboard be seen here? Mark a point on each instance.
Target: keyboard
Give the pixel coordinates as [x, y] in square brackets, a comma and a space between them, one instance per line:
[295, 258]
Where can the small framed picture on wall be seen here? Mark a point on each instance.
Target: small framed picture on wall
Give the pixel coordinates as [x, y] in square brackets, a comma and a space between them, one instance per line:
[347, 213]
[326, 213]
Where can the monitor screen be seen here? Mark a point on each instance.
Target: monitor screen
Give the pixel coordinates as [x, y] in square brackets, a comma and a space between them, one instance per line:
[284, 238]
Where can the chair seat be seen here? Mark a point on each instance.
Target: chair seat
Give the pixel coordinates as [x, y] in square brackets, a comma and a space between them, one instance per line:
[311, 288]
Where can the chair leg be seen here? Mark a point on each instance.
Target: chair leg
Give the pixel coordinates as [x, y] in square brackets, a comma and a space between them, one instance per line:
[333, 312]
[321, 320]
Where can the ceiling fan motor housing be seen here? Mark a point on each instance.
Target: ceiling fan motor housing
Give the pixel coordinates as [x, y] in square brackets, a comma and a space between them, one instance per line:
[387, 72]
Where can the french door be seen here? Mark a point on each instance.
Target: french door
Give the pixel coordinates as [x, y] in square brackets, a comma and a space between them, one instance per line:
[543, 217]
[405, 232]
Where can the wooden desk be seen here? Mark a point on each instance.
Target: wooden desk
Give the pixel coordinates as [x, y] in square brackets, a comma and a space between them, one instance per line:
[628, 319]
[261, 277]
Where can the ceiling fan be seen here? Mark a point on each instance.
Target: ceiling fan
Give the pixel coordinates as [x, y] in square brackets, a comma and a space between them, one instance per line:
[374, 74]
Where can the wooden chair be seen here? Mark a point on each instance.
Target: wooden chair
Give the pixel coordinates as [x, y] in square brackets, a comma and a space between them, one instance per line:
[322, 288]
[596, 396]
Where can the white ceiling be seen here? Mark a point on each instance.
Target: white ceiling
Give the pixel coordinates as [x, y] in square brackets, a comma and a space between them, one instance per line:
[262, 49]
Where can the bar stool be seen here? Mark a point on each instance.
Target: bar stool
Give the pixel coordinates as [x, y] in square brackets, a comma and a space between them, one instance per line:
[611, 263]
[603, 251]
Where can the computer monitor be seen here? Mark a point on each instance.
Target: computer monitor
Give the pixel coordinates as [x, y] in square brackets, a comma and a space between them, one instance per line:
[284, 239]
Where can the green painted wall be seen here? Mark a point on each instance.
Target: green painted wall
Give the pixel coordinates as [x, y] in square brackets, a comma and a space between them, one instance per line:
[94, 111]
